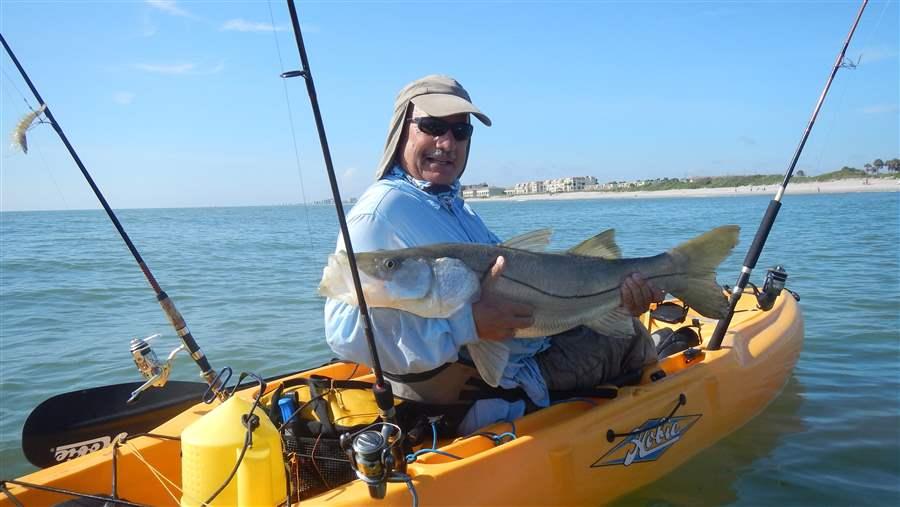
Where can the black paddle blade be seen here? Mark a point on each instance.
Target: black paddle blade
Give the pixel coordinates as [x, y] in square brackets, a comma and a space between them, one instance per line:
[73, 424]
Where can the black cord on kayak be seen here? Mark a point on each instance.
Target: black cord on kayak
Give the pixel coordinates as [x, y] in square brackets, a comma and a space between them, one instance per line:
[165, 302]
[248, 441]
[384, 396]
[250, 422]
[612, 435]
[762, 233]
[8, 494]
[102, 499]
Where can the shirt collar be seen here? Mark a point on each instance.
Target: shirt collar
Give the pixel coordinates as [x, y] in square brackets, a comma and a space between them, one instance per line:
[446, 194]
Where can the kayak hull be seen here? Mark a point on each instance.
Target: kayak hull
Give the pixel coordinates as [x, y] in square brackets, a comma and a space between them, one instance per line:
[580, 452]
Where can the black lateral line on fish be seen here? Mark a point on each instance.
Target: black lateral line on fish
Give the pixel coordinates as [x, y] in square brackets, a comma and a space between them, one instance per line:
[581, 296]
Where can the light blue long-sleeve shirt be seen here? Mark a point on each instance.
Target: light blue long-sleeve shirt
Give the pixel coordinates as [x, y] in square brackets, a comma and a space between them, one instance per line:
[397, 212]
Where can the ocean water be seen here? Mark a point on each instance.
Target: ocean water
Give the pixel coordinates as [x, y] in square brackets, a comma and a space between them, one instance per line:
[71, 298]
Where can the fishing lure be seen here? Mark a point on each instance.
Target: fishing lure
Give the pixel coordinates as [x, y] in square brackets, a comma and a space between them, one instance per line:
[18, 135]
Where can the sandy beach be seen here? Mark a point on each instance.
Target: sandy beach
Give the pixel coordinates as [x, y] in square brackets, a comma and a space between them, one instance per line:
[828, 187]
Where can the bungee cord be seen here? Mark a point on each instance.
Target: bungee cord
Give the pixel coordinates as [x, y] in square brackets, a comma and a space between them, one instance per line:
[159, 476]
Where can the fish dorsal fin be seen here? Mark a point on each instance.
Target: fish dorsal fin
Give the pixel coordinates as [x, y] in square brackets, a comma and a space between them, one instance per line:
[535, 241]
[602, 245]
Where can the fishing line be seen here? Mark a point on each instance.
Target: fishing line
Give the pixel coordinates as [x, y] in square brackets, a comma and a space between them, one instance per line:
[287, 99]
[45, 166]
[827, 137]
[840, 103]
[174, 316]
[765, 227]
[381, 389]
[877, 25]
[13, 83]
[38, 120]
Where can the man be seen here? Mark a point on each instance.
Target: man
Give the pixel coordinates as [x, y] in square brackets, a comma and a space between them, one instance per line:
[416, 201]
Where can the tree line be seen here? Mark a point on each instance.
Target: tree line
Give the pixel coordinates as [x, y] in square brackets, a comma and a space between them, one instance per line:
[874, 167]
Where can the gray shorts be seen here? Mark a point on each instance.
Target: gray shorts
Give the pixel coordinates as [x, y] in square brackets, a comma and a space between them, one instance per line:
[581, 358]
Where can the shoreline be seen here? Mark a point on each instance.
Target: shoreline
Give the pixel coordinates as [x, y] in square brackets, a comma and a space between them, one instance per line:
[826, 187]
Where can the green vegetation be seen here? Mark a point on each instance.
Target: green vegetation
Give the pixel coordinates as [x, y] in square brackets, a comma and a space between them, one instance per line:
[843, 174]
[871, 170]
[702, 182]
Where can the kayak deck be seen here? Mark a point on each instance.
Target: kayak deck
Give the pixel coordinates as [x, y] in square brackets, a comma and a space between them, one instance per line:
[584, 451]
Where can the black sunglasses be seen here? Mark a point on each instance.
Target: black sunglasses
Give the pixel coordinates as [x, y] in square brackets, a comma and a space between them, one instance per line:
[438, 127]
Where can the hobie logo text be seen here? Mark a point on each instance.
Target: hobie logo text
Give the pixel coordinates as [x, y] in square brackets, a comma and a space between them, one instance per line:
[648, 442]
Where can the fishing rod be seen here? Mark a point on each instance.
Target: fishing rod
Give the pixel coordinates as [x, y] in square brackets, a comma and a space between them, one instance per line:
[762, 233]
[384, 396]
[144, 357]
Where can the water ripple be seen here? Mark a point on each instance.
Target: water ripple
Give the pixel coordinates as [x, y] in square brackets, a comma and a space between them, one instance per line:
[245, 279]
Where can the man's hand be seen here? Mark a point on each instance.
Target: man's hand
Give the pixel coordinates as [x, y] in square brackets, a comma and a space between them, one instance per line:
[495, 317]
[637, 294]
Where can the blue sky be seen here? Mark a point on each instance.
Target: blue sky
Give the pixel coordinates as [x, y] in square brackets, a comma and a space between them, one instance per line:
[176, 104]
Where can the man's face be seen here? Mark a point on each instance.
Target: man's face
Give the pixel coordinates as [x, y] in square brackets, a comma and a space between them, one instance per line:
[436, 159]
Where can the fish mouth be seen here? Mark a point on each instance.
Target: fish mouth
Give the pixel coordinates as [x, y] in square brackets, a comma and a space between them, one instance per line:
[410, 281]
[337, 280]
[333, 283]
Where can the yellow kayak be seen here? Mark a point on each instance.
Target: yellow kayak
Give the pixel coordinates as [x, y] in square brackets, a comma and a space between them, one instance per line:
[577, 452]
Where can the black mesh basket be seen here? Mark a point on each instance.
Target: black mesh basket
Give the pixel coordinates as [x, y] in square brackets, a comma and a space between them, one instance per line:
[320, 465]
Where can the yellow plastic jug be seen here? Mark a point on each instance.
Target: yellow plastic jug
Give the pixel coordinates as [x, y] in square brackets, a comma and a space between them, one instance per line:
[210, 448]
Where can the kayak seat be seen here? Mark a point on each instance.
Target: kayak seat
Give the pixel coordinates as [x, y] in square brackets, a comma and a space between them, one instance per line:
[669, 341]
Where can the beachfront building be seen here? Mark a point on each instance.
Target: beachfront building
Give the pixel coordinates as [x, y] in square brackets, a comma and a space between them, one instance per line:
[480, 191]
[557, 185]
[530, 187]
[485, 192]
[553, 186]
[468, 191]
[619, 185]
[569, 184]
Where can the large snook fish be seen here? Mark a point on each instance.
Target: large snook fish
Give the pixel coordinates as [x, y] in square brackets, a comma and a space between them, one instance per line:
[578, 287]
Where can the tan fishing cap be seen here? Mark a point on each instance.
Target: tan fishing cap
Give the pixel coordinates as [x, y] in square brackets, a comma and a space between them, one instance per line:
[436, 95]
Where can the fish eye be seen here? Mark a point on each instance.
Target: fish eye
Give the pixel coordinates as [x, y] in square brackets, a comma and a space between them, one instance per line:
[390, 263]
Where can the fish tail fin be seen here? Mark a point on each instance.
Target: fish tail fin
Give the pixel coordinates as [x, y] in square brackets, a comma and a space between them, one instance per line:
[698, 259]
[490, 358]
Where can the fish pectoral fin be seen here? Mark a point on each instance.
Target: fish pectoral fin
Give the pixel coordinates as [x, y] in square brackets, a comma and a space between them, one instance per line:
[616, 324]
[490, 358]
[602, 246]
[535, 241]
